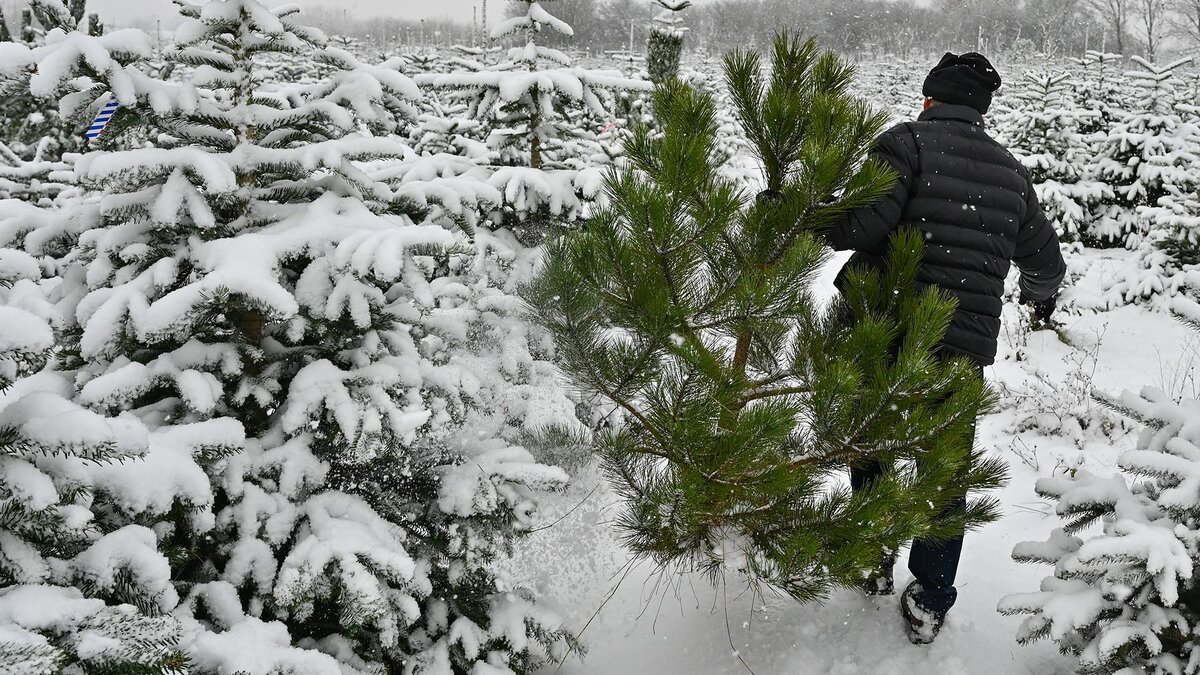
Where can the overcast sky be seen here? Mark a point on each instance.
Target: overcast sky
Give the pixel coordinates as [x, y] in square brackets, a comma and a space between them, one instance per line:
[124, 11]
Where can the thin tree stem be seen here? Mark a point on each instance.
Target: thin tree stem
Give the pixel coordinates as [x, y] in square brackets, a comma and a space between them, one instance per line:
[741, 354]
[756, 394]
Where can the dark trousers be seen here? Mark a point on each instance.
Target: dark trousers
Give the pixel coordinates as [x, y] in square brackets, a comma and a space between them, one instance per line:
[934, 564]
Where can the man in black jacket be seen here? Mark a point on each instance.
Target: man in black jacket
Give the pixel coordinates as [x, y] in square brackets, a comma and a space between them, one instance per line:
[977, 207]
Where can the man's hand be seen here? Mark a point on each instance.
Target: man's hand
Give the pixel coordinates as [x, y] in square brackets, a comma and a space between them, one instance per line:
[1043, 310]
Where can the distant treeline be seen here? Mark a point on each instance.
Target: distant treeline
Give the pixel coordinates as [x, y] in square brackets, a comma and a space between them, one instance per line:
[862, 27]
[851, 26]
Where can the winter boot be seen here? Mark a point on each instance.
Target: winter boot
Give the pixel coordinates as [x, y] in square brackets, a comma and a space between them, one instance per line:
[923, 624]
[879, 581]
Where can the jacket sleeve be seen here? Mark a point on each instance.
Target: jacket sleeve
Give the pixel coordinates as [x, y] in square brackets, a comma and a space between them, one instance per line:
[866, 227]
[1037, 253]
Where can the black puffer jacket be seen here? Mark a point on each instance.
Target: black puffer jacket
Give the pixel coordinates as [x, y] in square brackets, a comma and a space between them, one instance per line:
[977, 207]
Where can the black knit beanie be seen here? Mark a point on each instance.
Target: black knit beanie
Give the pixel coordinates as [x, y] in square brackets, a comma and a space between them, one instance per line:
[968, 79]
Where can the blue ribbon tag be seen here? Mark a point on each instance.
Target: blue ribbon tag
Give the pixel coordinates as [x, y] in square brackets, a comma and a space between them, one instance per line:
[106, 112]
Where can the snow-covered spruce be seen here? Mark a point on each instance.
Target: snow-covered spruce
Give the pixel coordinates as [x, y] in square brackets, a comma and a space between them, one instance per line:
[1125, 599]
[60, 531]
[1147, 154]
[1099, 87]
[38, 136]
[545, 126]
[1167, 258]
[541, 110]
[1043, 131]
[332, 382]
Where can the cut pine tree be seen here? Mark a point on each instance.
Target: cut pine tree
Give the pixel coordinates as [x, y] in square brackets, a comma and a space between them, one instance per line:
[688, 304]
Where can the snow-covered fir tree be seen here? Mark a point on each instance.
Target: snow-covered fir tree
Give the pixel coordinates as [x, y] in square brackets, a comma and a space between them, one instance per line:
[43, 134]
[1161, 163]
[445, 124]
[354, 364]
[427, 61]
[665, 44]
[1100, 87]
[1043, 130]
[446, 128]
[1099, 97]
[1179, 237]
[1125, 598]
[1146, 155]
[547, 124]
[82, 583]
[535, 99]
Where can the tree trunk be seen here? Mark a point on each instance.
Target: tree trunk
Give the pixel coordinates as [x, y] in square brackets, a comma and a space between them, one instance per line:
[535, 152]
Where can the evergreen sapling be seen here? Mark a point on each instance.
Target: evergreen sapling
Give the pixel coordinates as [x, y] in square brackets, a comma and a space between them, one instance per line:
[1148, 154]
[543, 119]
[530, 98]
[688, 306]
[28, 126]
[665, 46]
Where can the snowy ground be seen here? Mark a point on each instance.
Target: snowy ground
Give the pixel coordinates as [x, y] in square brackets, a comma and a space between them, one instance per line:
[668, 626]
